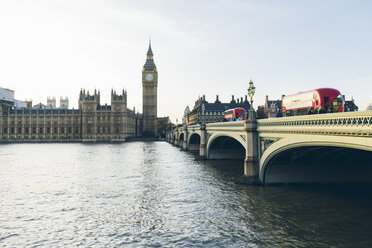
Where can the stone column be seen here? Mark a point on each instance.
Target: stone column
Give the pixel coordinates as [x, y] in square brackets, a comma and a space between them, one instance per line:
[203, 142]
[171, 135]
[176, 137]
[184, 145]
[251, 161]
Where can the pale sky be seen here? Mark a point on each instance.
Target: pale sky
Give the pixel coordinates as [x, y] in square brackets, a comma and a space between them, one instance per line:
[211, 47]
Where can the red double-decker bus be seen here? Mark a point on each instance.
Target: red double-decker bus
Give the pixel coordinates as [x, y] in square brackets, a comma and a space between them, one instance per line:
[234, 114]
[324, 100]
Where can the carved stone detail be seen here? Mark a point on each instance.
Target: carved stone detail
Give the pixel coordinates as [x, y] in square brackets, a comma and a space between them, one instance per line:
[265, 143]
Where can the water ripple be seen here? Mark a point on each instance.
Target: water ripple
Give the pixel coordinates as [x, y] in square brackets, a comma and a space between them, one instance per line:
[125, 196]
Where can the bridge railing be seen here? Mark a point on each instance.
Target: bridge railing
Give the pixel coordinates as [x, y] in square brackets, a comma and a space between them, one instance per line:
[231, 125]
[226, 124]
[348, 123]
[194, 127]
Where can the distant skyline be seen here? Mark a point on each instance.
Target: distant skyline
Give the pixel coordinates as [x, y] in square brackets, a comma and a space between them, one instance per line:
[55, 47]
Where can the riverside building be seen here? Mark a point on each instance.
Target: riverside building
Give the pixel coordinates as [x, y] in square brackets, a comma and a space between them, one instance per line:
[91, 122]
[214, 111]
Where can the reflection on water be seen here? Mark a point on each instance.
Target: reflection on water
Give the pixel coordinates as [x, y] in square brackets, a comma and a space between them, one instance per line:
[153, 194]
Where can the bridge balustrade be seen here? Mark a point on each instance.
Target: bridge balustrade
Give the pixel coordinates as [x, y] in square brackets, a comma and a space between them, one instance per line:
[349, 124]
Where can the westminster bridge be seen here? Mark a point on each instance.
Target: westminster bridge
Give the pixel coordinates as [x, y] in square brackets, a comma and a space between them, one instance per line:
[333, 147]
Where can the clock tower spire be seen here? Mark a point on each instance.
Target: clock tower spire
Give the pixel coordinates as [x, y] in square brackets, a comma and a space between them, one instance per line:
[149, 95]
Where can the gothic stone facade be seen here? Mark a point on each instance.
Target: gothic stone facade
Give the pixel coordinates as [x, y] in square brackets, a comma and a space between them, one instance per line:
[92, 122]
[213, 112]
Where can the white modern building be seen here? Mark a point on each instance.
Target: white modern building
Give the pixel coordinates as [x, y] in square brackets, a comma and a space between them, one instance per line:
[7, 97]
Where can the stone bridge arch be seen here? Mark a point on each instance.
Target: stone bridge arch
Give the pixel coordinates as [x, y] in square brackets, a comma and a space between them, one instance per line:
[316, 158]
[181, 138]
[225, 146]
[193, 142]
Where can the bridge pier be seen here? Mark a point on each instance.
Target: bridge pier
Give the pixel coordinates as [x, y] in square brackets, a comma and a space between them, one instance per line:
[176, 139]
[251, 161]
[184, 144]
[203, 142]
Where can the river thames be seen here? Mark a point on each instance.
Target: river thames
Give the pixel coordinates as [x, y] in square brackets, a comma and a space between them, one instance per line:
[151, 194]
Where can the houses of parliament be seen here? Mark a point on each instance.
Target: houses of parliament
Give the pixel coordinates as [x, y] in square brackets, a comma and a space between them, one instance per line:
[91, 122]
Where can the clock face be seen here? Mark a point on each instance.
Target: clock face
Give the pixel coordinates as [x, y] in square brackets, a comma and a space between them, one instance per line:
[149, 77]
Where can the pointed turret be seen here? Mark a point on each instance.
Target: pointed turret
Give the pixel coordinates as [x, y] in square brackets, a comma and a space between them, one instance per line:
[217, 100]
[150, 65]
[149, 51]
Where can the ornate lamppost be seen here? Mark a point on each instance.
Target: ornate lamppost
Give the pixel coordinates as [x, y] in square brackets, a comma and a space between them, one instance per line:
[251, 161]
[251, 114]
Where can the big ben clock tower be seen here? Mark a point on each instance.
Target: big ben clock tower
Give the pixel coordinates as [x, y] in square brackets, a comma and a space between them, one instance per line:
[149, 95]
